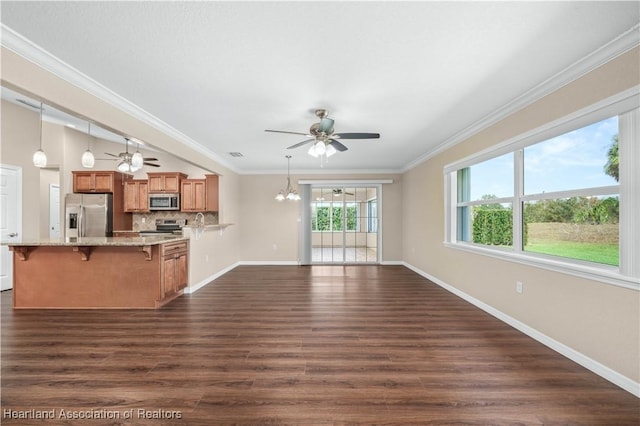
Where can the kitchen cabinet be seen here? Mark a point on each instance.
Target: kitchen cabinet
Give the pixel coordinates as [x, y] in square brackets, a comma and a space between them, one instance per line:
[165, 182]
[199, 195]
[100, 182]
[212, 192]
[136, 196]
[193, 195]
[175, 268]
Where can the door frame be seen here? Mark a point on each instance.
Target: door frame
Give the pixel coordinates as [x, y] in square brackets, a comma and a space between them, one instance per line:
[305, 222]
[18, 208]
[55, 186]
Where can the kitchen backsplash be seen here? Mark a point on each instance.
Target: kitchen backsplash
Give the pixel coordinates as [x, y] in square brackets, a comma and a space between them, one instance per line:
[147, 221]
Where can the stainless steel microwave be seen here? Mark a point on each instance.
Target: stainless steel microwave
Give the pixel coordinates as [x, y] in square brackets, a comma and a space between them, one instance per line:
[164, 201]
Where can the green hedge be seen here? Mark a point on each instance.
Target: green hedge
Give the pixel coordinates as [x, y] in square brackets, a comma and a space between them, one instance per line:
[493, 226]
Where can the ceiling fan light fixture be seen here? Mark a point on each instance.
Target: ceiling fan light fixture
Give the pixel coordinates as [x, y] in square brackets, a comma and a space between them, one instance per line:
[124, 167]
[330, 150]
[312, 151]
[320, 148]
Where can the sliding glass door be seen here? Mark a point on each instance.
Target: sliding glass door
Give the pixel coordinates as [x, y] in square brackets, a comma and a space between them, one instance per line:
[344, 224]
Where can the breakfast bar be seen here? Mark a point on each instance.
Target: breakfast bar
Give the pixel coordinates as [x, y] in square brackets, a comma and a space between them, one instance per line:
[99, 273]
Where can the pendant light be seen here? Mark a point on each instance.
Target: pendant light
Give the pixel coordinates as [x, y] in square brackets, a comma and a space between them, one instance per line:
[137, 161]
[88, 160]
[289, 193]
[39, 157]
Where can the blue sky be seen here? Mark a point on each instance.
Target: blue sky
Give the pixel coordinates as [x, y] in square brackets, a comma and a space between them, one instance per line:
[570, 161]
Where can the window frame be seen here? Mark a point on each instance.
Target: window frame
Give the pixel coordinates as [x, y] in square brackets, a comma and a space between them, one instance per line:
[372, 215]
[626, 105]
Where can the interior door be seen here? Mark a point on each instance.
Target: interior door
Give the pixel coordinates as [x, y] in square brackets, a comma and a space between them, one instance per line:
[10, 219]
[54, 211]
[344, 225]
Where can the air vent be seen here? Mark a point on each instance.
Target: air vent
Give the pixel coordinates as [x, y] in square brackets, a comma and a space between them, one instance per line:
[236, 154]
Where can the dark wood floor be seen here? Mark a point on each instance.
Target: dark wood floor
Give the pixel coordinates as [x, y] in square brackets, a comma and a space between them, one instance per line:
[322, 345]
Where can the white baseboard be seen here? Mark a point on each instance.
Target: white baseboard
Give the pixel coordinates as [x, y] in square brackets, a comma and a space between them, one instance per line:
[602, 370]
[198, 286]
[269, 262]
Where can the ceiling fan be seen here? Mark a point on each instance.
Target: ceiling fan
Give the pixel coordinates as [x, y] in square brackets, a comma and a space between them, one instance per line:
[131, 162]
[325, 141]
[338, 192]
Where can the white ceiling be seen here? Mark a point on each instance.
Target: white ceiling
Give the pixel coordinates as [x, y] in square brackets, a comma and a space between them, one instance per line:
[418, 73]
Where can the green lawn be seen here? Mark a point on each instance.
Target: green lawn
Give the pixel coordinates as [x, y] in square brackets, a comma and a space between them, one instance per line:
[592, 252]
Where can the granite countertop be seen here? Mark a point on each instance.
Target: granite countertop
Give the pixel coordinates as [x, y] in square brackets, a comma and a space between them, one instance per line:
[100, 241]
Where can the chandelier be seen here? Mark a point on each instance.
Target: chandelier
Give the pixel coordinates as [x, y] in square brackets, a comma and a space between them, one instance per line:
[289, 193]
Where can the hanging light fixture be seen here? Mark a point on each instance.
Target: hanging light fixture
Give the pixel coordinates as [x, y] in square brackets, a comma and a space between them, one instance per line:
[289, 193]
[137, 161]
[127, 164]
[88, 160]
[39, 157]
[322, 149]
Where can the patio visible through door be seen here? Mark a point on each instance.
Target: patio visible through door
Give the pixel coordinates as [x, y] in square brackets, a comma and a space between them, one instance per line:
[344, 224]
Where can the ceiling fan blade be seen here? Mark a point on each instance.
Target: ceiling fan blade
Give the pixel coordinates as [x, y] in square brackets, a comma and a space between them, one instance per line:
[113, 155]
[290, 133]
[358, 135]
[151, 164]
[326, 126]
[337, 145]
[150, 159]
[301, 143]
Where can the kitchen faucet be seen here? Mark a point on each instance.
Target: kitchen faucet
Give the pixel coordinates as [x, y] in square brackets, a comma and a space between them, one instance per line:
[199, 220]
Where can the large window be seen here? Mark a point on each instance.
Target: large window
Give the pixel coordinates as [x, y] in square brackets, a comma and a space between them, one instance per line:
[553, 194]
[328, 216]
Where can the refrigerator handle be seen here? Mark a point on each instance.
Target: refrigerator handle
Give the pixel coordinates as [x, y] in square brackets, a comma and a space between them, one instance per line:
[82, 231]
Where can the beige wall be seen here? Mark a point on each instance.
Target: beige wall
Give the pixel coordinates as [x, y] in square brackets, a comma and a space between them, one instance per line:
[599, 320]
[20, 135]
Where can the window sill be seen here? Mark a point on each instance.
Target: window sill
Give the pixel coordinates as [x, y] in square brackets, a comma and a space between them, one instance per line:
[605, 274]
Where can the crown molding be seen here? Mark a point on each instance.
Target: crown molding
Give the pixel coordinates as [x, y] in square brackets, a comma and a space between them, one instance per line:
[331, 172]
[24, 47]
[616, 47]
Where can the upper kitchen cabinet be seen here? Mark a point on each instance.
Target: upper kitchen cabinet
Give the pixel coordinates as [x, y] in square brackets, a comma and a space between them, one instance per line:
[165, 182]
[136, 196]
[212, 192]
[199, 195]
[98, 182]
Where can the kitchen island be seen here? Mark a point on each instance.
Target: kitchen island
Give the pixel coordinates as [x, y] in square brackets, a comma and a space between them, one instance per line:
[102, 273]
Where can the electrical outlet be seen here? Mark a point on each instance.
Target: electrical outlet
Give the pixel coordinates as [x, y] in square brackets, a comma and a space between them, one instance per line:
[519, 287]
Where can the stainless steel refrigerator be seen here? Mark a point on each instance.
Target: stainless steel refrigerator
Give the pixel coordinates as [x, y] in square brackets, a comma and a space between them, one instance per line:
[88, 215]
